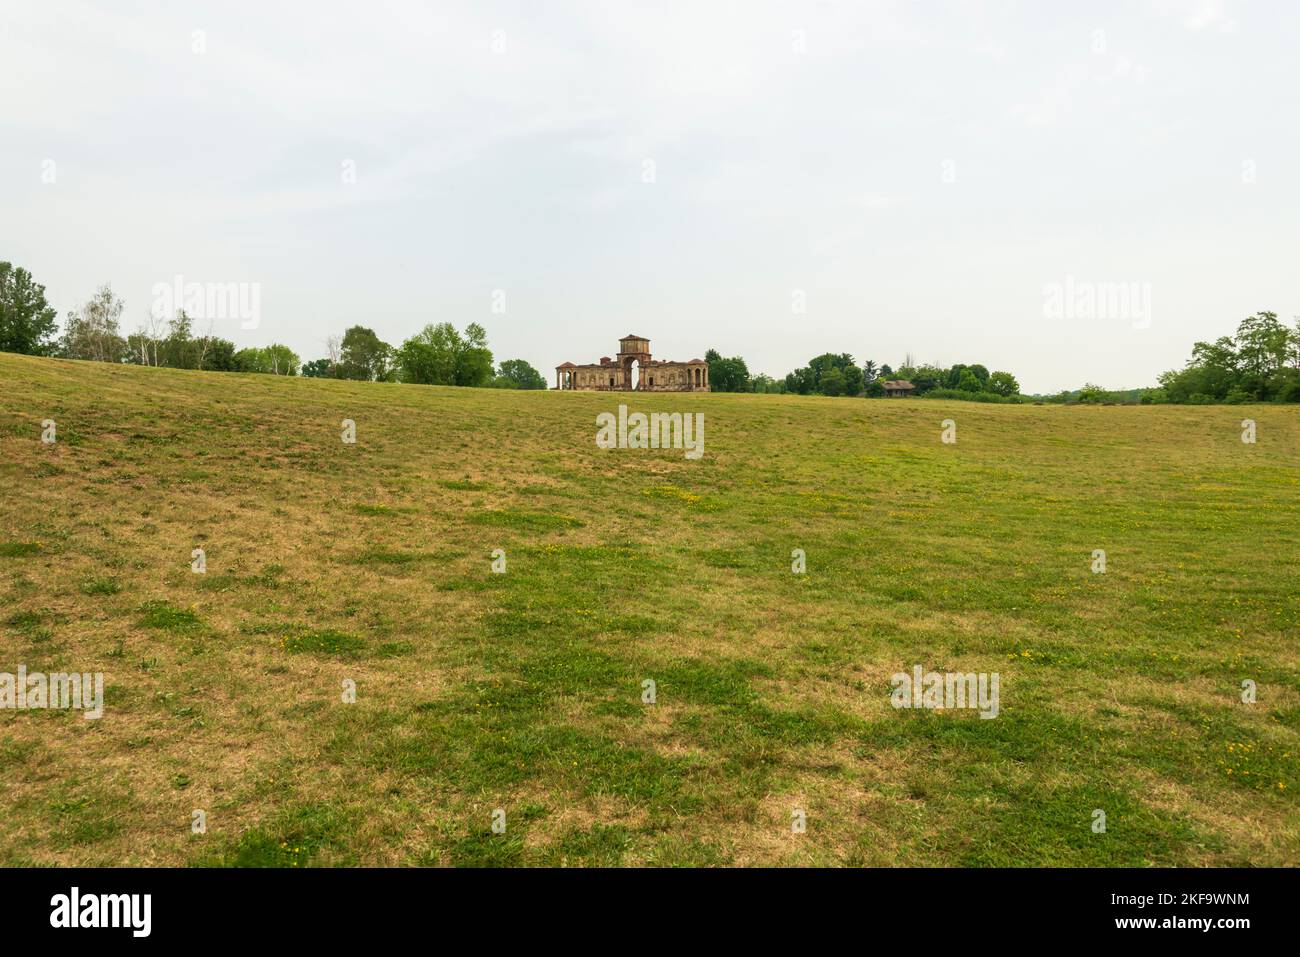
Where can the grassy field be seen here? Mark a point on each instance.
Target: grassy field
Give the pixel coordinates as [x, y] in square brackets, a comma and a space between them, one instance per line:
[371, 562]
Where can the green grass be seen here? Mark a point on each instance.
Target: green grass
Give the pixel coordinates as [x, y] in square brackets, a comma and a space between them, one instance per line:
[100, 586]
[323, 642]
[372, 564]
[524, 521]
[167, 617]
[19, 549]
[388, 556]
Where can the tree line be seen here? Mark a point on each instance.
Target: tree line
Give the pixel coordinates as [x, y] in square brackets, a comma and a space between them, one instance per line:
[1261, 363]
[436, 355]
[840, 375]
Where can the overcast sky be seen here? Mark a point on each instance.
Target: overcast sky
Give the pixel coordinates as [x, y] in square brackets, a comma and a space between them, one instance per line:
[917, 174]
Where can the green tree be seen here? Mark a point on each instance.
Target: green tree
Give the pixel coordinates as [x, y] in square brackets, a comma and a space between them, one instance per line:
[363, 356]
[1211, 373]
[178, 350]
[92, 332]
[429, 356]
[925, 378]
[281, 359]
[518, 374]
[727, 375]
[1286, 385]
[26, 320]
[474, 359]
[1003, 383]
[820, 365]
[439, 355]
[215, 354]
[799, 381]
[275, 359]
[1262, 346]
[832, 382]
[1092, 394]
[318, 369]
[1257, 365]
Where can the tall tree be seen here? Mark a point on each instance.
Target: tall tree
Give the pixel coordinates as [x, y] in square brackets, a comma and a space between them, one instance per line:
[144, 346]
[832, 381]
[363, 355]
[216, 354]
[925, 377]
[26, 320]
[518, 374]
[1262, 344]
[1260, 364]
[429, 356]
[1004, 384]
[474, 359]
[727, 375]
[819, 366]
[179, 350]
[275, 359]
[799, 381]
[92, 332]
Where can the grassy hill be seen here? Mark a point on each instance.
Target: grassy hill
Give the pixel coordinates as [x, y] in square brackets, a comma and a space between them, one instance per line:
[371, 563]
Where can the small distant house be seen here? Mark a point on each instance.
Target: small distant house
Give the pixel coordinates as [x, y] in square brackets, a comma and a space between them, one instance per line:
[898, 389]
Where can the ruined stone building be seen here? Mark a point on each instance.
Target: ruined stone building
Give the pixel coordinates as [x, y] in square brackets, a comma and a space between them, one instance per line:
[633, 368]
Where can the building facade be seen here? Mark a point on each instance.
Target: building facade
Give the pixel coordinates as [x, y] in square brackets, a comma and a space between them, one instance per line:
[634, 368]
